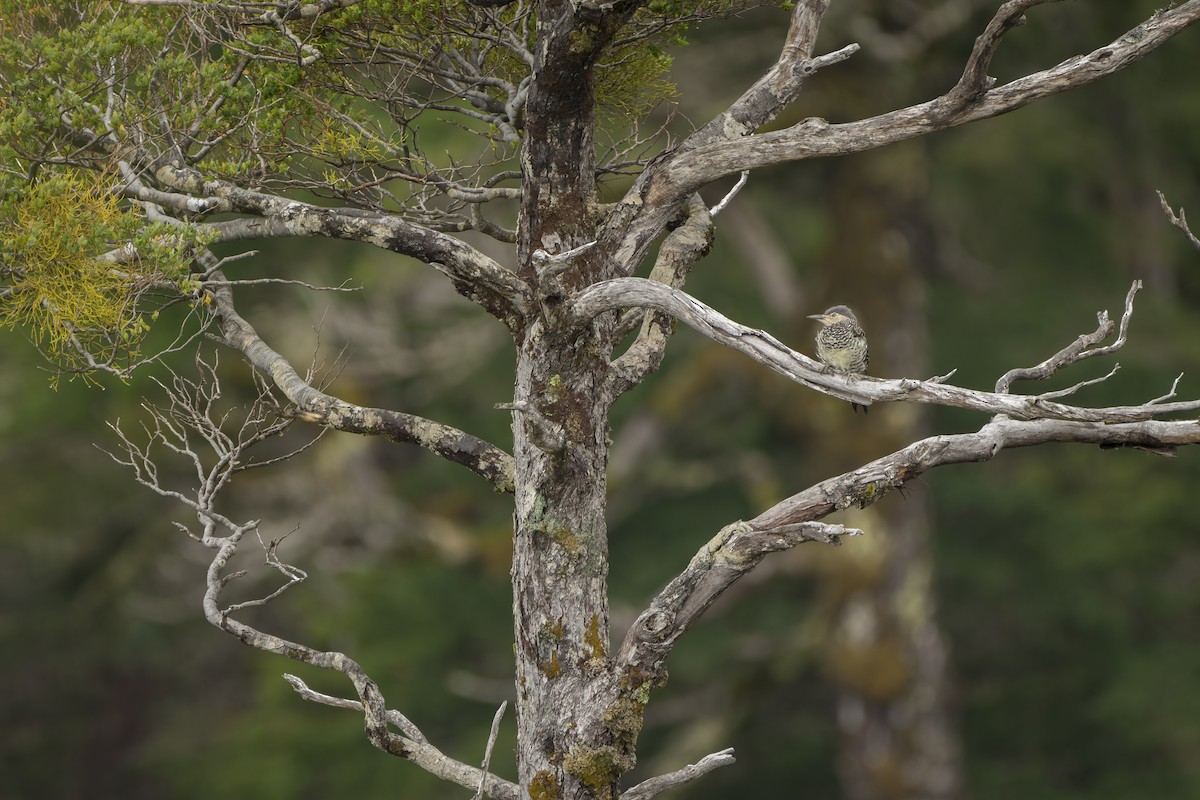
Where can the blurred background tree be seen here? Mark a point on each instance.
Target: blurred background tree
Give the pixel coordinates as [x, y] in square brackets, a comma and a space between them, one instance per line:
[1064, 579]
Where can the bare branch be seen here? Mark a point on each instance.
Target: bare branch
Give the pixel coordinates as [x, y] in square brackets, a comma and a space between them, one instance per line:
[371, 701]
[418, 749]
[1170, 394]
[814, 137]
[394, 717]
[735, 550]
[737, 187]
[1178, 221]
[1083, 347]
[475, 275]
[293, 574]
[1070, 390]
[829, 59]
[867, 484]
[739, 547]
[487, 750]
[279, 281]
[313, 405]
[661, 783]
[779, 86]
[770, 352]
[724, 147]
[192, 410]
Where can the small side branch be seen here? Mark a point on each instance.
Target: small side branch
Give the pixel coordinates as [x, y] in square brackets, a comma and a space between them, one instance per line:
[1083, 347]
[417, 748]
[661, 783]
[487, 750]
[836, 57]
[732, 193]
[735, 550]
[1070, 390]
[1179, 221]
[394, 718]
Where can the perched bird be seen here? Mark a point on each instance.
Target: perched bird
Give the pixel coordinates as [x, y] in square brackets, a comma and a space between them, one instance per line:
[841, 342]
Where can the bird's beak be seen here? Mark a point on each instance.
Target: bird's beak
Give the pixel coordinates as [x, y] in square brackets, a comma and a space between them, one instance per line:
[816, 316]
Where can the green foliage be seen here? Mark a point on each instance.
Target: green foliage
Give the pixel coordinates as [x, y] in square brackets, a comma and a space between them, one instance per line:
[640, 82]
[122, 73]
[635, 75]
[126, 73]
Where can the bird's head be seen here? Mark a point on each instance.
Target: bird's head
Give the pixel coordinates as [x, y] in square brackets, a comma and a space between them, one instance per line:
[834, 314]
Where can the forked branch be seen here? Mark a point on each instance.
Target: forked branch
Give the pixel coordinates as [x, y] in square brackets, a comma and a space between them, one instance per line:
[739, 547]
[1085, 346]
[681, 250]
[1179, 221]
[638, 220]
[975, 81]
[661, 783]
[780, 85]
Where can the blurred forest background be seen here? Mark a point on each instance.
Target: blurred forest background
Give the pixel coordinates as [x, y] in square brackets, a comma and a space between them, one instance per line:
[1066, 579]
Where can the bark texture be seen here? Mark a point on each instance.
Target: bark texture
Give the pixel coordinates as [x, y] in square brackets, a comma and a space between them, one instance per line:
[572, 741]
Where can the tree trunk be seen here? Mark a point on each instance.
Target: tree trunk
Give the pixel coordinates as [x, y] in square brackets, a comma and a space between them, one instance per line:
[573, 741]
[560, 566]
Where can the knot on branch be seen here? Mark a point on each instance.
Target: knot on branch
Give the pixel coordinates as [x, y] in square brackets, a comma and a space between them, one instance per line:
[656, 622]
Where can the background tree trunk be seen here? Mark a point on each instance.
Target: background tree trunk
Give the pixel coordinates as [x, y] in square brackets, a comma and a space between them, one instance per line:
[885, 652]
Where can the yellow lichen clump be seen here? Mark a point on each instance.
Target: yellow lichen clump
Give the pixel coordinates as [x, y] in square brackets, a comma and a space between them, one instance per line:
[68, 280]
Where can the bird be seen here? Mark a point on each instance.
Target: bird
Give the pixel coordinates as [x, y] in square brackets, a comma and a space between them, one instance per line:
[841, 343]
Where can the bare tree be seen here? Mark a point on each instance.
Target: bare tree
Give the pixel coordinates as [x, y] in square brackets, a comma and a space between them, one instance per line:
[199, 123]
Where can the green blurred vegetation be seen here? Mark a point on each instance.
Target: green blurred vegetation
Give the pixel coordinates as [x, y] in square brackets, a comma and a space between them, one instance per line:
[1067, 576]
